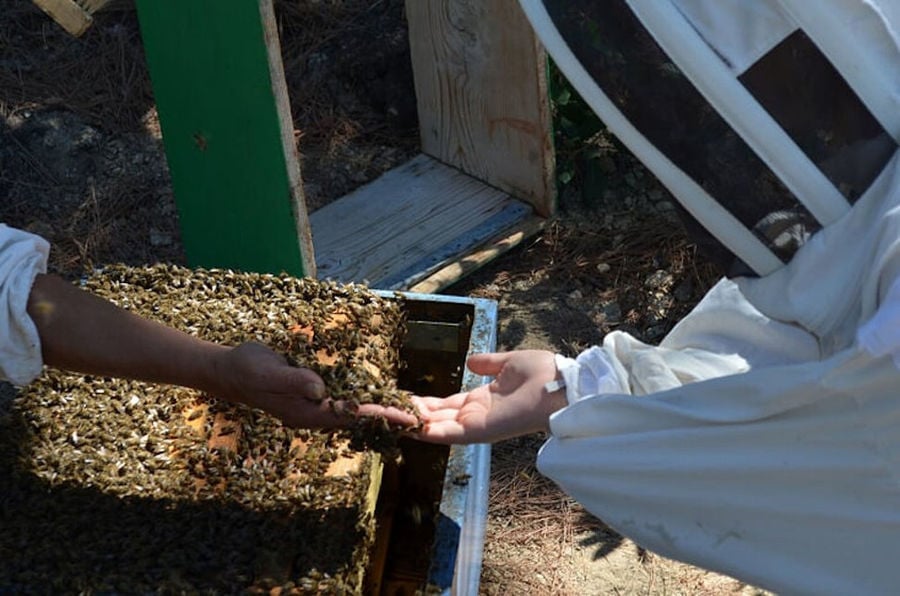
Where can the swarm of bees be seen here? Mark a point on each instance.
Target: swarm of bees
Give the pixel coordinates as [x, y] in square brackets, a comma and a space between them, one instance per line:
[120, 486]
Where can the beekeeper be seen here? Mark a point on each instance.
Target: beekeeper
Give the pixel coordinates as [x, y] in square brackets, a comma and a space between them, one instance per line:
[45, 320]
[761, 438]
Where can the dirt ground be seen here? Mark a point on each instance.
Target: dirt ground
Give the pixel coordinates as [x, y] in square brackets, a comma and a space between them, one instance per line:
[81, 163]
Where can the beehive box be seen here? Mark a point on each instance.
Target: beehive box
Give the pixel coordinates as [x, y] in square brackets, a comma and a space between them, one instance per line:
[115, 486]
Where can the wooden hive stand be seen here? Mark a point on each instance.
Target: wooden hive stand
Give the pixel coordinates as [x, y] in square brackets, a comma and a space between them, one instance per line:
[483, 182]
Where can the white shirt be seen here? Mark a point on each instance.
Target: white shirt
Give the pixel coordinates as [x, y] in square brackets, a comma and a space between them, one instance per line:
[22, 257]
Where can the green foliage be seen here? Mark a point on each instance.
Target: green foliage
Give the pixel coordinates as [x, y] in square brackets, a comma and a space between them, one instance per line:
[585, 150]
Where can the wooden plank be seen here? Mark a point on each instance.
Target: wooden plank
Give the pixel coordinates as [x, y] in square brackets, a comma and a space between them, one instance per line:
[222, 101]
[302, 229]
[481, 87]
[409, 222]
[479, 257]
[70, 16]
[385, 512]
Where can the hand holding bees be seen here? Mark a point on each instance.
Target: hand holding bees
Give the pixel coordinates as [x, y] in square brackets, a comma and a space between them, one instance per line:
[253, 374]
[516, 402]
[84, 333]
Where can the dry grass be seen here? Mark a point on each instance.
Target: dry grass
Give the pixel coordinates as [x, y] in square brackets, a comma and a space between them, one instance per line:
[308, 32]
[534, 528]
[540, 510]
[100, 76]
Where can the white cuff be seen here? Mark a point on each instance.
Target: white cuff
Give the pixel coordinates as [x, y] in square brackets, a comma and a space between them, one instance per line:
[22, 257]
[589, 374]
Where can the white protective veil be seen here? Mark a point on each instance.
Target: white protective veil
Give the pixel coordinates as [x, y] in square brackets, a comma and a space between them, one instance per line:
[761, 438]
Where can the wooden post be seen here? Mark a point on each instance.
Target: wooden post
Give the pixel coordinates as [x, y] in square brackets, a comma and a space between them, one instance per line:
[481, 88]
[222, 101]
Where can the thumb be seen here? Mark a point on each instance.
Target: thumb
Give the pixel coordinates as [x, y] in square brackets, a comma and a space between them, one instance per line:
[285, 379]
[488, 364]
[303, 382]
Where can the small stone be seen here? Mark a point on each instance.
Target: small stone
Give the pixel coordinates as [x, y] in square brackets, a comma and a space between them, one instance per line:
[42, 229]
[613, 312]
[603, 267]
[655, 332]
[658, 280]
[664, 206]
[158, 238]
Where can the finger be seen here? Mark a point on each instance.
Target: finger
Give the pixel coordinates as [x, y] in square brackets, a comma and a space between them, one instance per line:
[488, 363]
[445, 433]
[430, 404]
[301, 413]
[391, 414]
[442, 415]
[300, 382]
[309, 384]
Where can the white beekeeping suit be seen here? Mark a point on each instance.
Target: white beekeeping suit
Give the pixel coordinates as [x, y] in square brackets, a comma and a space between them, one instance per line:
[22, 257]
[759, 448]
[761, 438]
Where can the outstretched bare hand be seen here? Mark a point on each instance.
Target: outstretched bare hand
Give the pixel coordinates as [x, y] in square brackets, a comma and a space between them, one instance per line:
[515, 403]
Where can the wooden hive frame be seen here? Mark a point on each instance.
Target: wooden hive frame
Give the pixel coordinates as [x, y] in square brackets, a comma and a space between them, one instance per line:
[191, 470]
[136, 465]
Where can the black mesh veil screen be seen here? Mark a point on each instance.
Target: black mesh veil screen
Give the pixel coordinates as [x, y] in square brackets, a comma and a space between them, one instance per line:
[794, 83]
[809, 99]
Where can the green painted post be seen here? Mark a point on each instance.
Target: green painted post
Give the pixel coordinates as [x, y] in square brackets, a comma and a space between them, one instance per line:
[222, 101]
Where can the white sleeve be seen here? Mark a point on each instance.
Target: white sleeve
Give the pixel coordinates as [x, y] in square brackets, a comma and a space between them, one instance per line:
[22, 257]
[787, 477]
[723, 335]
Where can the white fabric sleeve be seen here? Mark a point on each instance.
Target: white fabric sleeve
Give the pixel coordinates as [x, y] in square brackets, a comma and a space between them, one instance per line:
[22, 257]
[723, 335]
[591, 373]
[785, 477]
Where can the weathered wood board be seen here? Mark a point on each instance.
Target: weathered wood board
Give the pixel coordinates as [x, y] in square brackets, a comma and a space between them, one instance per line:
[481, 90]
[416, 220]
[71, 16]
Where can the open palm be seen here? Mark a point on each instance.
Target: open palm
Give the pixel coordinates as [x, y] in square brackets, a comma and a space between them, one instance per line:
[514, 403]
